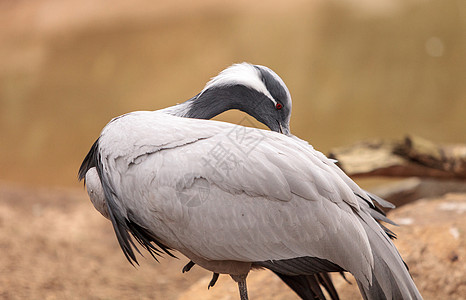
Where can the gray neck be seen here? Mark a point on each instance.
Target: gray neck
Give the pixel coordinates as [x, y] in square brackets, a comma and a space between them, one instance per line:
[213, 102]
[181, 109]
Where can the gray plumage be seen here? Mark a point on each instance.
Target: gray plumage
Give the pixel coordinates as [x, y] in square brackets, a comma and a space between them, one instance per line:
[282, 205]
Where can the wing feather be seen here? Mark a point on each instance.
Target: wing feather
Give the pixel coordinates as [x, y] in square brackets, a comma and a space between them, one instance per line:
[277, 201]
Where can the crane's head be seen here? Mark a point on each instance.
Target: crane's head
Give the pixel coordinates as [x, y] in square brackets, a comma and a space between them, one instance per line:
[254, 89]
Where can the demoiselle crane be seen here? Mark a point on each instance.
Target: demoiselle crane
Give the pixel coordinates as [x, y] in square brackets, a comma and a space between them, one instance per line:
[228, 205]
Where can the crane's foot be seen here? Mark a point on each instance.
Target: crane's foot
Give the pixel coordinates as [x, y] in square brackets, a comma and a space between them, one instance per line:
[188, 266]
[213, 280]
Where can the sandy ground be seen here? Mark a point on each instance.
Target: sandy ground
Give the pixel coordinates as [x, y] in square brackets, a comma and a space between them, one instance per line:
[54, 245]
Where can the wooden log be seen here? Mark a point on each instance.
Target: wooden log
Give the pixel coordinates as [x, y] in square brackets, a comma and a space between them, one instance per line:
[413, 156]
[410, 189]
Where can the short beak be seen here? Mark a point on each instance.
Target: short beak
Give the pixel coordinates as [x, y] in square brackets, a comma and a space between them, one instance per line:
[284, 129]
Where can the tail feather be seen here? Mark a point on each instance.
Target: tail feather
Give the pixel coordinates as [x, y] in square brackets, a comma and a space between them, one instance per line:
[325, 281]
[390, 276]
[308, 287]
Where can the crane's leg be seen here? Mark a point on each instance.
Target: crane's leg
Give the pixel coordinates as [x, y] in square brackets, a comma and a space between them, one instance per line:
[243, 291]
[241, 280]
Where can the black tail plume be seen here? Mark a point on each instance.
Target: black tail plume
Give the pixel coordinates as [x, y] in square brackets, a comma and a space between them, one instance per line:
[308, 287]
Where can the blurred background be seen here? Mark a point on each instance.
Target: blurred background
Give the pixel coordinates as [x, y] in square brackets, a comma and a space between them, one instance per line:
[356, 69]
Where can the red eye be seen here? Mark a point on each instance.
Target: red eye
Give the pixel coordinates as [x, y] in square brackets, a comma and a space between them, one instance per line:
[278, 106]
